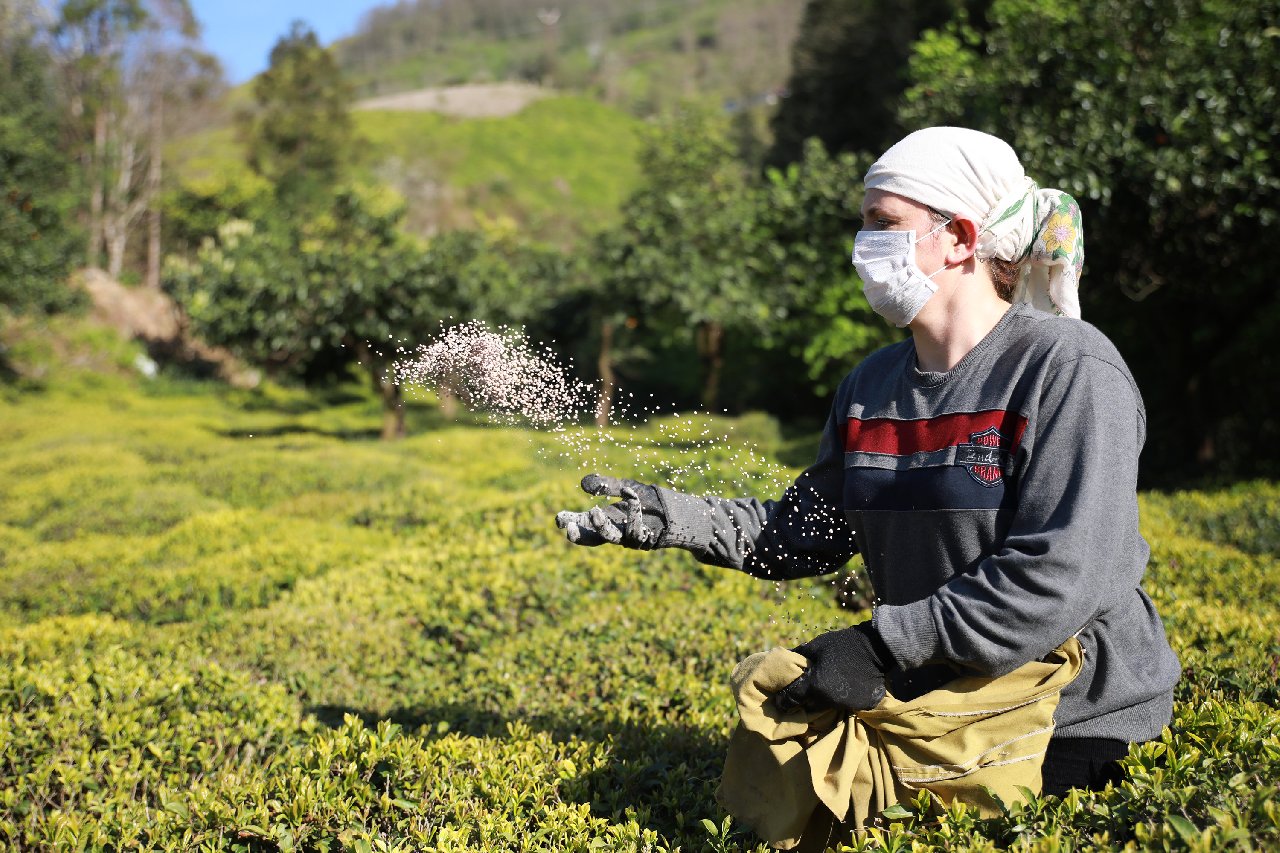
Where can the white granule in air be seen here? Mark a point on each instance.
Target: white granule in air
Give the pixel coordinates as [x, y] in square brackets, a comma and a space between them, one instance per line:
[515, 382]
[498, 372]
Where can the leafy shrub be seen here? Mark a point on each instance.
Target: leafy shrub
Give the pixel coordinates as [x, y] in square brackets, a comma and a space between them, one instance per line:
[1246, 516]
[343, 644]
[94, 741]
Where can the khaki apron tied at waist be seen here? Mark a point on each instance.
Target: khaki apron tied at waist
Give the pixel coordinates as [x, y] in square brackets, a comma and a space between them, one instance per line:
[956, 741]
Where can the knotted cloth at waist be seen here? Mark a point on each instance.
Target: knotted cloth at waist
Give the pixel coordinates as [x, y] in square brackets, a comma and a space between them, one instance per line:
[786, 773]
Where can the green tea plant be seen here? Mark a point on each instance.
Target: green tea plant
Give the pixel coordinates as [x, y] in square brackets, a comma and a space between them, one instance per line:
[237, 621]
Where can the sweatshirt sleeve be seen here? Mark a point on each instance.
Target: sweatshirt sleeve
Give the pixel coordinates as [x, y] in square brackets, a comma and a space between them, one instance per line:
[803, 533]
[1073, 540]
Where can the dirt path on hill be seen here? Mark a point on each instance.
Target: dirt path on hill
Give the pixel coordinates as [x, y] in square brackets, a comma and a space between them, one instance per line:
[477, 100]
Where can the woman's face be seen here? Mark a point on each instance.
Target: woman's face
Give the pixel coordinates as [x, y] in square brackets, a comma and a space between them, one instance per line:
[886, 211]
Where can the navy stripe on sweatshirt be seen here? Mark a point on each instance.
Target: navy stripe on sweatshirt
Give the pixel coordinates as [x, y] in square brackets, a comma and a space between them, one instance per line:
[943, 488]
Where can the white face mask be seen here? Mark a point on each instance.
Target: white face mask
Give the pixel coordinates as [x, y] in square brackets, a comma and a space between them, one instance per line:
[895, 287]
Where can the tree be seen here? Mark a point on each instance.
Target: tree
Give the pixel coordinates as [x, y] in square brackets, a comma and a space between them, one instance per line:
[711, 251]
[1161, 119]
[299, 133]
[90, 38]
[682, 257]
[305, 298]
[124, 64]
[848, 74]
[37, 241]
[609, 310]
[494, 276]
[198, 206]
[809, 212]
[168, 83]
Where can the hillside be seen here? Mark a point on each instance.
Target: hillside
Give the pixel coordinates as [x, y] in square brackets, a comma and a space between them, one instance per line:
[478, 109]
[640, 56]
[561, 167]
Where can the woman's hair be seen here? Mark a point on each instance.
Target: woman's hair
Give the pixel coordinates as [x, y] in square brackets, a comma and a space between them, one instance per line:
[1005, 275]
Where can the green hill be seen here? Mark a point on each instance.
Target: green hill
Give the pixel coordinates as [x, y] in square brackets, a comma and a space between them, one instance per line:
[563, 165]
[643, 56]
[559, 168]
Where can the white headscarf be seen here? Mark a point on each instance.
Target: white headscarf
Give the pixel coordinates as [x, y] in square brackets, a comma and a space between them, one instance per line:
[955, 170]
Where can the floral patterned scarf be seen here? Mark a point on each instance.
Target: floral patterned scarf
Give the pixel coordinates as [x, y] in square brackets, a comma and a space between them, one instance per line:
[1042, 229]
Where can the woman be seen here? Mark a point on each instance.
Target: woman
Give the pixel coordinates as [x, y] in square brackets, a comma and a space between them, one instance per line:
[985, 468]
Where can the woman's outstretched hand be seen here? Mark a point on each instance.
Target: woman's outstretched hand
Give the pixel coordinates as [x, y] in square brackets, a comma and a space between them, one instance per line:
[636, 521]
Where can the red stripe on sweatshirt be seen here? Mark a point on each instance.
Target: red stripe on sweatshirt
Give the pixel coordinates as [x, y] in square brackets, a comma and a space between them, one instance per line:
[904, 437]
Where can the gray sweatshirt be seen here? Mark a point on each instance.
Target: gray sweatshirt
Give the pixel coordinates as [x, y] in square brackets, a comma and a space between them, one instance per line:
[995, 507]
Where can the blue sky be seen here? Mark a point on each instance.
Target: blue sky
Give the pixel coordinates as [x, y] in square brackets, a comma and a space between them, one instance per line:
[242, 32]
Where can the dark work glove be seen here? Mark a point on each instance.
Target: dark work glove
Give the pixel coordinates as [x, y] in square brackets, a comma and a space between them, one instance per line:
[637, 521]
[846, 671]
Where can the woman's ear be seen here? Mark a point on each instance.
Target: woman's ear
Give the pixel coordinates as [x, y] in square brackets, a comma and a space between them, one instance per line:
[965, 232]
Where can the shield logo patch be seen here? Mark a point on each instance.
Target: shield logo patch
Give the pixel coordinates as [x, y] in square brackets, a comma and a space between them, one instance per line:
[983, 456]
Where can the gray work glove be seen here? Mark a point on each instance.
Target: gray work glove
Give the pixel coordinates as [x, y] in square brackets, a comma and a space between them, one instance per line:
[636, 521]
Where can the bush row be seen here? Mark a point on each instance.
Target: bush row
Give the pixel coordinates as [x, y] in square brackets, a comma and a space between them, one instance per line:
[331, 643]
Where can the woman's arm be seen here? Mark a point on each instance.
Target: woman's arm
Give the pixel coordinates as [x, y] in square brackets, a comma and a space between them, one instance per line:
[1073, 542]
[803, 533]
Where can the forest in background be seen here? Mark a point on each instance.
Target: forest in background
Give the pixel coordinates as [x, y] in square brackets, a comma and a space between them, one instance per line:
[719, 267]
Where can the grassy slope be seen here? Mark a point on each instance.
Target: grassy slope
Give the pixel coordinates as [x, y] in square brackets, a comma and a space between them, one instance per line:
[561, 167]
[464, 60]
[235, 619]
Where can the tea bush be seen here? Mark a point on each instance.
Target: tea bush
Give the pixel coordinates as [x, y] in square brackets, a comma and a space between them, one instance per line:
[233, 621]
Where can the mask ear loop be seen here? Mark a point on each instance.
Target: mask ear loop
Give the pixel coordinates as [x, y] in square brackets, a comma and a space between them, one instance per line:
[941, 225]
